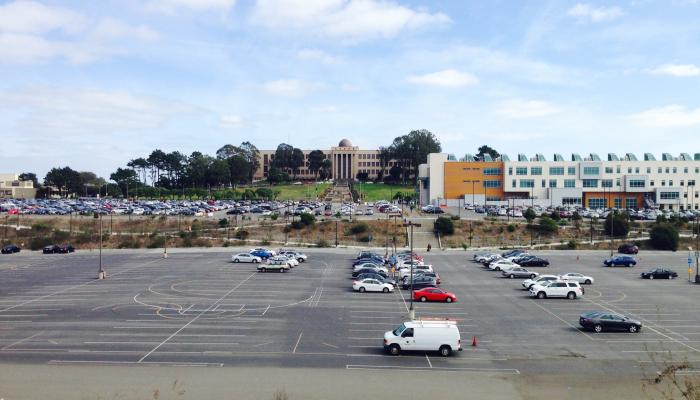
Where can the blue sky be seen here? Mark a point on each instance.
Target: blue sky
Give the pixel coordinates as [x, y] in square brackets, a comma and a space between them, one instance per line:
[93, 84]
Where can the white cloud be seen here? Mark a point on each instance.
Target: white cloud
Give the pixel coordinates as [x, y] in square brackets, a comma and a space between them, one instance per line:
[110, 28]
[519, 108]
[289, 87]
[35, 18]
[317, 55]
[171, 6]
[447, 78]
[679, 70]
[48, 111]
[670, 116]
[231, 121]
[588, 13]
[344, 19]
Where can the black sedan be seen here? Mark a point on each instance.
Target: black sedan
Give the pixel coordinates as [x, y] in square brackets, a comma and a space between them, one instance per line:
[533, 262]
[67, 248]
[600, 321]
[370, 271]
[419, 282]
[9, 249]
[51, 249]
[659, 273]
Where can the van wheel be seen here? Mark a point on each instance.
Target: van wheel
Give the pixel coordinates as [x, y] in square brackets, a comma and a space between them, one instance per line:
[362, 289]
[423, 299]
[571, 296]
[385, 290]
[541, 295]
[394, 349]
[445, 350]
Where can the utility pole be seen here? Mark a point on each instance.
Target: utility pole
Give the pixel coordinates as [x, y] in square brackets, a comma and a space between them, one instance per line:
[336, 233]
[411, 311]
[101, 274]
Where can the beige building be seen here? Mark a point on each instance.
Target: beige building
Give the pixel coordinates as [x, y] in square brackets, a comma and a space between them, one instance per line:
[12, 187]
[347, 161]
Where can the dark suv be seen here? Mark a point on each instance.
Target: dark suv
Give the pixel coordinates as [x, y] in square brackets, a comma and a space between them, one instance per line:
[419, 282]
[628, 248]
[10, 248]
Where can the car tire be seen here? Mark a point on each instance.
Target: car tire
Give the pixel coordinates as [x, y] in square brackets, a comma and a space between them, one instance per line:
[671, 277]
[263, 269]
[361, 289]
[651, 277]
[423, 299]
[394, 350]
[236, 260]
[597, 328]
[633, 329]
[571, 296]
[541, 295]
[587, 282]
[282, 269]
[532, 276]
[255, 261]
[448, 300]
[445, 350]
[511, 276]
[385, 290]
[301, 260]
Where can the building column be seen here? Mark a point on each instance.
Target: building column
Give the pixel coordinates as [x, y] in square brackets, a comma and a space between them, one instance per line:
[344, 166]
[337, 165]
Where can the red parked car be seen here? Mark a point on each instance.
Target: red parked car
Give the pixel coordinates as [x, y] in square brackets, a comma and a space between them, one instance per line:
[433, 294]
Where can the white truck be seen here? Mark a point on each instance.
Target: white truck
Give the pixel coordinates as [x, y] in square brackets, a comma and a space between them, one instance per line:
[424, 335]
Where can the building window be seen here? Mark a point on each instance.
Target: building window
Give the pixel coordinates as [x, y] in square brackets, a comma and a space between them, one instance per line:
[571, 171]
[527, 183]
[521, 171]
[590, 183]
[597, 203]
[618, 169]
[552, 183]
[682, 182]
[648, 170]
[617, 182]
[510, 170]
[663, 182]
[544, 183]
[556, 170]
[637, 183]
[492, 171]
[629, 170]
[668, 170]
[493, 198]
[492, 184]
[660, 170]
[608, 170]
[618, 202]
[606, 183]
[536, 171]
[514, 184]
[591, 170]
[569, 183]
[651, 183]
[675, 170]
[669, 195]
[636, 170]
[685, 170]
[697, 170]
[571, 201]
[670, 182]
[630, 203]
[691, 182]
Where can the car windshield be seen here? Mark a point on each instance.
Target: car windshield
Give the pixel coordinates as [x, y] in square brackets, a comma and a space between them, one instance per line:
[399, 330]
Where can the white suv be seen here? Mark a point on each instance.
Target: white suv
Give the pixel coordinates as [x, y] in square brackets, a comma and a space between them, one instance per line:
[568, 289]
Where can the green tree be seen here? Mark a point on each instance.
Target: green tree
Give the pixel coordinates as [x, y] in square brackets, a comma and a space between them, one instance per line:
[487, 150]
[529, 215]
[296, 162]
[307, 219]
[276, 175]
[124, 178]
[65, 179]
[664, 236]
[395, 173]
[444, 226]
[325, 171]
[29, 176]
[264, 193]
[620, 224]
[547, 225]
[362, 176]
[413, 149]
[316, 159]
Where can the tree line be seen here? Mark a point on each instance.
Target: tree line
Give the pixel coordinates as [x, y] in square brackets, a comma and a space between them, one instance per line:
[230, 167]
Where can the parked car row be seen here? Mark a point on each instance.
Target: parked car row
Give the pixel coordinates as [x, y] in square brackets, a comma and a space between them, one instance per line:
[269, 260]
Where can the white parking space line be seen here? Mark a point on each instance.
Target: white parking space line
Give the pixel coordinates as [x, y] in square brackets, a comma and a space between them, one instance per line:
[21, 341]
[508, 371]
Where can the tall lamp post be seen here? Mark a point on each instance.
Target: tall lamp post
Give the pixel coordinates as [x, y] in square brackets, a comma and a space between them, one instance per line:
[101, 274]
[411, 311]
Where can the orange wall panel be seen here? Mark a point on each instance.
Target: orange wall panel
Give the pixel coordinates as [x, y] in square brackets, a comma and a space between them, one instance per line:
[460, 175]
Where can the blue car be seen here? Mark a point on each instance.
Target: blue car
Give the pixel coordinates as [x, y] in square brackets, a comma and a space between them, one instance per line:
[625, 261]
[264, 254]
[373, 260]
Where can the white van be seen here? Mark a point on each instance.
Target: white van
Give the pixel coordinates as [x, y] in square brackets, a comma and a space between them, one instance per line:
[424, 335]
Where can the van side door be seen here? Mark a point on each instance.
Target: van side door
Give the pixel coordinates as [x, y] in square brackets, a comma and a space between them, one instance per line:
[408, 341]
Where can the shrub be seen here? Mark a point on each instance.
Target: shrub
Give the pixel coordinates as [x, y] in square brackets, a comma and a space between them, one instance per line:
[444, 226]
[38, 243]
[547, 225]
[664, 236]
[307, 219]
[571, 245]
[555, 215]
[274, 216]
[60, 236]
[455, 217]
[529, 215]
[511, 228]
[360, 227]
[223, 222]
[322, 243]
[156, 242]
[363, 238]
[241, 234]
[620, 224]
[576, 216]
[129, 242]
[297, 225]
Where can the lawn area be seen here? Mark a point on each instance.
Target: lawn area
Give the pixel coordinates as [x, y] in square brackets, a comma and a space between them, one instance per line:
[374, 192]
[298, 192]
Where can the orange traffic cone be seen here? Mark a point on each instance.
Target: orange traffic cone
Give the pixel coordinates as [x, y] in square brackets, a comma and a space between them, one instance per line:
[473, 341]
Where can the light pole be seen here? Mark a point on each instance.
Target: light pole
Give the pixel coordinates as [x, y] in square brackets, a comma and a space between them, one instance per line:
[336, 233]
[165, 237]
[101, 274]
[411, 311]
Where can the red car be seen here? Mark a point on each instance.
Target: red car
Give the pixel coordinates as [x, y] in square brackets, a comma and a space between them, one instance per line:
[433, 294]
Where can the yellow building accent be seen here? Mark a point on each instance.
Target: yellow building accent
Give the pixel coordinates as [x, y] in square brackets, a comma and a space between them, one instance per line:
[465, 178]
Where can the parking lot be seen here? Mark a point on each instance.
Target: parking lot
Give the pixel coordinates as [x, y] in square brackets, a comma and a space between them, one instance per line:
[198, 309]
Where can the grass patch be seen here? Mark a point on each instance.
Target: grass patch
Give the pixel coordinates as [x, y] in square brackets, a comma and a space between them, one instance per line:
[380, 191]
